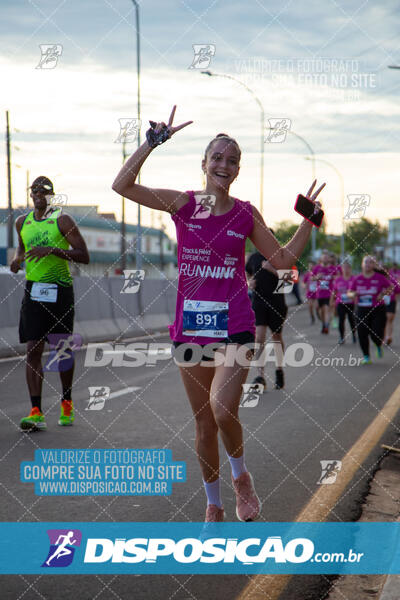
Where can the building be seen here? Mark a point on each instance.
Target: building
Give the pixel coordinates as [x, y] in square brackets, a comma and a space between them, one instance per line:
[102, 233]
[392, 249]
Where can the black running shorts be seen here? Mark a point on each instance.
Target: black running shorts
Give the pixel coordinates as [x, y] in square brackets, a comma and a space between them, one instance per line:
[391, 307]
[270, 314]
[38, 319]
[323, 302]
[242, 338]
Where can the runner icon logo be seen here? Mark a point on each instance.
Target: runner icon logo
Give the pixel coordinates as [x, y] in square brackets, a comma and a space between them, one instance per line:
[357, 206]
[203, 54]
[277, 130]
[329, 471]
[98, 396]
[287, 278]
[133, 279]
[57, 199]
[62, 347]
[251, 394]
[204, 203]
[62, 547]
[128, 132]
[50, 54]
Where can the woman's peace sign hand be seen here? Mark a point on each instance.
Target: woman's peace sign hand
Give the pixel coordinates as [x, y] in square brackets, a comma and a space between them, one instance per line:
[169, 129]
[313, 196]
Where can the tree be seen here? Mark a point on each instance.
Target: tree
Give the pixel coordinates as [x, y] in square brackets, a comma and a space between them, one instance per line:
[285, 230]
[361, 238]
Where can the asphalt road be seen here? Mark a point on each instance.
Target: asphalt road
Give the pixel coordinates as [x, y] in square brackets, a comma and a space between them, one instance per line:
[318, 416]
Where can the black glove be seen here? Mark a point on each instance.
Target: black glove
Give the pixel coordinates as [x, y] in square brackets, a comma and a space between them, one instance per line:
[155, 139]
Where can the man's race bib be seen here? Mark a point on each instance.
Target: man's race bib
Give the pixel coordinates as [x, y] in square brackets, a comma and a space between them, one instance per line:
[44, 292]
[324, 284]
[386, 299]
[365, 300]
[313, 286]
[205, 318]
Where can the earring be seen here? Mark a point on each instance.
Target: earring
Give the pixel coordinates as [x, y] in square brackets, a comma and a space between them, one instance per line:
[203, 183]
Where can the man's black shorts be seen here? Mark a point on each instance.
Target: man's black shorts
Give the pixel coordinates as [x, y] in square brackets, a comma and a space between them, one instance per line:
[38, 319]
[242, 338]
[270, 313]
[323, 302]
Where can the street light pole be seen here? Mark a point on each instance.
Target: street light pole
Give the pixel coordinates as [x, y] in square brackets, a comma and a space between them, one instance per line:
[394, 241]
[139, 226]
[314, 229]
[262, 111]
[10, 224]
[341, 198]
[262, 124]
[27, 188]
[123, 225]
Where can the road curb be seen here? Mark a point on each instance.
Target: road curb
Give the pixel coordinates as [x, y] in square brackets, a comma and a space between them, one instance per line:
[391, 588]
[382, 504]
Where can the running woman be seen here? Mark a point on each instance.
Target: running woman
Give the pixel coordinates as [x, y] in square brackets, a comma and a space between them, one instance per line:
[333, 261]
[44, 237]
[344, 303]
[369, 288]
[270, 310]
[311, 290]
[213, 305]
[323, 274]
[390, 302]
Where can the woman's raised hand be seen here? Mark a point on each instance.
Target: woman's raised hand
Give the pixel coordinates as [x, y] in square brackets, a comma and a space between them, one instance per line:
[169, 129]
[313, 196]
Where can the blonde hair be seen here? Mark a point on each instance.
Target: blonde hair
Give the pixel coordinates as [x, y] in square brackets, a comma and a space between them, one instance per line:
[222, 136]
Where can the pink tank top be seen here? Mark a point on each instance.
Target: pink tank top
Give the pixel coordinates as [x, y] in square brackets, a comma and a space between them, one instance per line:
[212, 301]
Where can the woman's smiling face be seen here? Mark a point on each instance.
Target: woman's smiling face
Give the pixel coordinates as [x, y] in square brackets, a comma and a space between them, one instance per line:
[222, 163]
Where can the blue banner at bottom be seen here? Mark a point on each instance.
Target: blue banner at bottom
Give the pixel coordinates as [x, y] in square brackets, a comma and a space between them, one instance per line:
[199, 548]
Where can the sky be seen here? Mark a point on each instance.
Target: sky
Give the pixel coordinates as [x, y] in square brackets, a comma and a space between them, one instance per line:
[320, 67]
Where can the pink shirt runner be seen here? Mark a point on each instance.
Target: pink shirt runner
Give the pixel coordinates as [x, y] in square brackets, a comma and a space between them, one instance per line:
[341, 287]
[311, 286]
[212, 300]
[324, 284]
[395, 279]
[368, 288]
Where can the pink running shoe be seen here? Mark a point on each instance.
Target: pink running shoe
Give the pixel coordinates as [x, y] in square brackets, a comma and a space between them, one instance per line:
[214, 514]
[247, 503]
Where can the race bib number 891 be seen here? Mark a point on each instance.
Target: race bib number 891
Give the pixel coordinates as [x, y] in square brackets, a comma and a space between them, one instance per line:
[205, 318]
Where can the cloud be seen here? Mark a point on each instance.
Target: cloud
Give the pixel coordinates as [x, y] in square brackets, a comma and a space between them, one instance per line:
[67, 117]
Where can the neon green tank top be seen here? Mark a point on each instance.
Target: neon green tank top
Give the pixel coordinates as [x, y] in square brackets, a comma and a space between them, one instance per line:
[49, 269]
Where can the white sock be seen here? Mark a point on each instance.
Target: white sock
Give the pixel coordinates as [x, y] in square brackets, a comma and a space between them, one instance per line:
[213, 492]
[237, 465]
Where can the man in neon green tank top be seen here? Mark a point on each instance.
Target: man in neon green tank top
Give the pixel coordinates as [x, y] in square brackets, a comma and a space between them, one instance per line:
[47, 241]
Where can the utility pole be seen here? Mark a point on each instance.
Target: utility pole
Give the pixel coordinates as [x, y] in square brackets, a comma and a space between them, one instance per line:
[262, 128]
[139, 224]
[161, 243]
[123, 226]
[10, 223]
[27, 188]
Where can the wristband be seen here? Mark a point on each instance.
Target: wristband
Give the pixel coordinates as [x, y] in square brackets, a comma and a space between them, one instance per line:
[156, 138]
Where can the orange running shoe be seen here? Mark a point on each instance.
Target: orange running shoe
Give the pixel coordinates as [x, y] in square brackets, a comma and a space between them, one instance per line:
[34, 421]
[67, 416]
